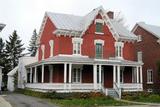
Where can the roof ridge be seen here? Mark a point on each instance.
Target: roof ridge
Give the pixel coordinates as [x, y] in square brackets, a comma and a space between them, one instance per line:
[63, 14]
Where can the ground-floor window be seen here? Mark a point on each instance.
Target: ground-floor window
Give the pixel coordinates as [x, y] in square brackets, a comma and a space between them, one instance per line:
[76, 75]
[149, 76]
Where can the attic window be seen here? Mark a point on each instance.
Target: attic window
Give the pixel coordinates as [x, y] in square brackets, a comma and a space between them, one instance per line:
[99, 26]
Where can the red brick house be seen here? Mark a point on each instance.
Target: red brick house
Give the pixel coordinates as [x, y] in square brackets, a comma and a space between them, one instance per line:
[85, 53]
[149, 45]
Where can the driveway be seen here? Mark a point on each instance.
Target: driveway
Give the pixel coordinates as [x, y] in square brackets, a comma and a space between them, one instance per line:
[20, 100]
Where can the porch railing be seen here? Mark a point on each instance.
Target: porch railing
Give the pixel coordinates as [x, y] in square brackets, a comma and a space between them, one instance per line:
[118, 90]
[131, 86]
[62, 86]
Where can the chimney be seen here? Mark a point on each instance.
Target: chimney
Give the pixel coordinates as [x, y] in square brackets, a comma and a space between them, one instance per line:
[110, 14]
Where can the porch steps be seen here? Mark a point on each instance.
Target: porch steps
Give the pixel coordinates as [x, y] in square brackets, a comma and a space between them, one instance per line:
[112, 93]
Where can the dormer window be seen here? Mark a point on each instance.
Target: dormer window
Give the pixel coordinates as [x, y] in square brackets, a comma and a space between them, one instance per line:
[119, 49]
[99, 26]
[77, 42]
[139, 38]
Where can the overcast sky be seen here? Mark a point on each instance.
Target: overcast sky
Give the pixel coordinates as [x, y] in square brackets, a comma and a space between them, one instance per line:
[26, 15]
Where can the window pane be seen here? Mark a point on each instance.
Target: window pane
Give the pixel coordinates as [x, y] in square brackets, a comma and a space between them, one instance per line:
[99, 27]
[98, 50]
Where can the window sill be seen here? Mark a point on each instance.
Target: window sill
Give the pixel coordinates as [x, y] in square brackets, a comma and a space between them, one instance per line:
[149, 82]
[100, 33]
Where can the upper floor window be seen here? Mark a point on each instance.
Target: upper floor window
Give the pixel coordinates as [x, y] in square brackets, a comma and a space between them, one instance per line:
[77, 42]
[99, 26]
[149, 76]
[99, 48]
[139, 38]
[119, 49]
[139, 56]
[43, 49]
[51, 43]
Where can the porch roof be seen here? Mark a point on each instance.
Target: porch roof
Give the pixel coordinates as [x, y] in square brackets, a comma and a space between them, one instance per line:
[84, 60]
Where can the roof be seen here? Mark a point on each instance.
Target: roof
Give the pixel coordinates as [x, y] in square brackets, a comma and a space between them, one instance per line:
[81, 23]
[12, 72]
[153, 29]
[83, 60]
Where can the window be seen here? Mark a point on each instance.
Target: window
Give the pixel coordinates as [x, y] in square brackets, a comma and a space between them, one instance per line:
[76, 75]
[99, 26]
[119, 49]
[51, 43]
[149, 76]
[98, 50]
[139, 55]
[77, 45]
[43, 49]
[139, 38]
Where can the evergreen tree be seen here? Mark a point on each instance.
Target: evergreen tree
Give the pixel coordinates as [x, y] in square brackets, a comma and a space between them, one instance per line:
[14, 49]
[32, 45]
[2, 52]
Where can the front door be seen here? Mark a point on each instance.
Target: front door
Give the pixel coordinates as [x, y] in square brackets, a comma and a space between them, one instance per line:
[108, 76]
[76, 75]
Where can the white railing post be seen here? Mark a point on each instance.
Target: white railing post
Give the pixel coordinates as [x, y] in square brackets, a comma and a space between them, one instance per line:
[42, 78]
[30, 75]
[50, 73]
[35, 74]
[95, 76]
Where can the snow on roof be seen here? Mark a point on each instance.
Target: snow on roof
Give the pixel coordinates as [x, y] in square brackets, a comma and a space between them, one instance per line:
[12, 72]
[80, 23]
[155, 30]
[122, 31]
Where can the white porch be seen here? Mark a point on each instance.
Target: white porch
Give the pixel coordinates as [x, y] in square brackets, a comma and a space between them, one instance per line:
[96, 69]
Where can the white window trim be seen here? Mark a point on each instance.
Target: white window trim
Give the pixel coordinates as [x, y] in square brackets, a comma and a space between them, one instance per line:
[76, 41]
[99, 21]
[51, 43]
[119, 44]
[158, 40]
[99, 41]
[43, 50]
[149, 82]
[139, 38]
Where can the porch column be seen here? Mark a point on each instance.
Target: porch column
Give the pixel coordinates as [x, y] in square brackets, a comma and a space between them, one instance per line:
[70, 75]
[42, 78]
[50, 73]
[141, 77]
[100, 73]
[114, 75]
[35, 74]
[30, 75]
[118, 76]
[95, 76]
[137, 69]
[65, 75]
